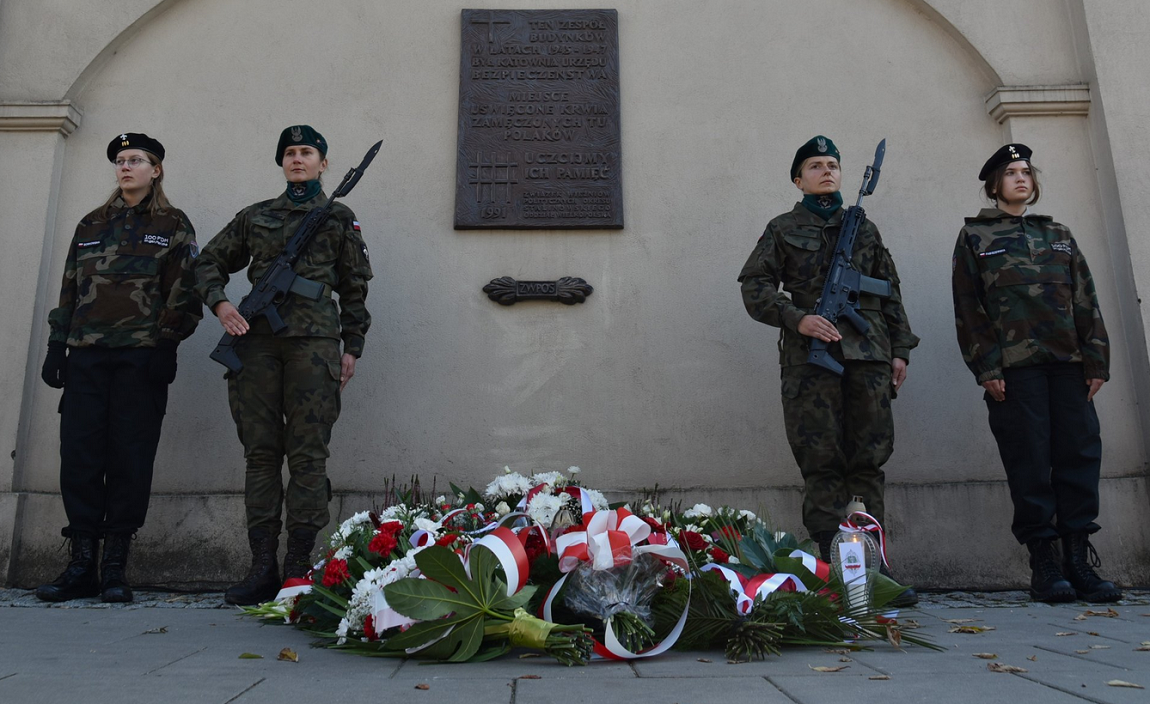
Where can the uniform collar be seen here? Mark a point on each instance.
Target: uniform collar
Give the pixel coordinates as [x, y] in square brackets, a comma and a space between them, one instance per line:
[806, 217]
[282, 202]
[994, 214]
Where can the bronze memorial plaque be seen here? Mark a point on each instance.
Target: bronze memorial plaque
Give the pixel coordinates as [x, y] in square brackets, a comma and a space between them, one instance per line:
[539, 120]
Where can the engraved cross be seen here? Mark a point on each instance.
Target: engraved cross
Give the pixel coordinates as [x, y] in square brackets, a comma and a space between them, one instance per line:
[490, 22]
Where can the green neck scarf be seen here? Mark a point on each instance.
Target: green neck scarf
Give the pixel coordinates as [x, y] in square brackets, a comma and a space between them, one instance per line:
[303, 192]
[823, 206]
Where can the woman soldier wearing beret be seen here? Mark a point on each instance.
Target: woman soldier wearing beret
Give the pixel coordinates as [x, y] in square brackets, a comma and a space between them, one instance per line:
[126, 302]
[1031, 332]
[287, 396]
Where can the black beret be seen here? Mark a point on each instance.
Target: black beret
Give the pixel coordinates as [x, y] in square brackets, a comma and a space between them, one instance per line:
[1005, 155]
[818, 146]
[299, 134]
[134, 140]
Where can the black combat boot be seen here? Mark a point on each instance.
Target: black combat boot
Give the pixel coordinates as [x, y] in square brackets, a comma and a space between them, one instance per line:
[1047, 583]
[906, 598]
[80, 579]
[1078, 561]
[113, 566]
[823, 538]
[263, 580]
[297, 561]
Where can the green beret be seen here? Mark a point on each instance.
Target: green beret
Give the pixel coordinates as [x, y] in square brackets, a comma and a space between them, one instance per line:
[296, 135]
[1005, 155]
[818, 146]
[134, 140]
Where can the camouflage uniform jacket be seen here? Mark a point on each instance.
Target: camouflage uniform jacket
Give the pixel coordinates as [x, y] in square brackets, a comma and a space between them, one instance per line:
[794, 253]
[1023, 295]
[336, 256]
[128, 281]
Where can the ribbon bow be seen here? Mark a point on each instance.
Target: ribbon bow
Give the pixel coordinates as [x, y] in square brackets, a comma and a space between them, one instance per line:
[748, 589]
[849, 526]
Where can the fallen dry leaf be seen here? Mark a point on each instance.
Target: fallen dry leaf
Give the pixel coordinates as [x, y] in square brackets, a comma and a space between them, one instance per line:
[1092, 633]
[986, 656]
[289, 655]
[423, 686]
[530, 677]
[840, 668]
[704, 660]
[1100, 647]
[155, 631]
[845, 660]
[1082, 652]
[250, 656]
[1120, 683]
[1108, 613]
[1003, 667]
[837, 651]
[1142, 649]
[1033, 658]
[971, 629]
[894, 636]
[911, 623]
[961, 620]
[879, 677]
[1066, 633]
[1080, 617]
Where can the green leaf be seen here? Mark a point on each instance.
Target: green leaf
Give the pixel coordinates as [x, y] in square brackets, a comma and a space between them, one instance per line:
[755, 554]
[328, 594]
[367, 566]
[518, 600]
[419, 634]
[492, 652]
[420, 599]
[469, 636]
[884, 590]
[442, 565]
[793, 565]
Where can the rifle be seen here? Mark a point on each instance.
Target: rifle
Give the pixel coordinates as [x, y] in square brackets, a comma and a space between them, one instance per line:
[280, 278]
[844, 285]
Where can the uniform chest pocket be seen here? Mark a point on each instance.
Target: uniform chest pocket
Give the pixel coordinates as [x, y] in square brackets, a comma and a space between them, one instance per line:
[118, 267]
[324, 247]
[1023, 288]
[268, 238]
[807, 242]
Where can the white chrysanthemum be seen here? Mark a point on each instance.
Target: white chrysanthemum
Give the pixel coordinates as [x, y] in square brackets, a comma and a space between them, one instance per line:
[343, 553]
[555, 479]
[743, 513]
[597, 499]
[393, 513]
[440, 500]
[341, 631]
[698, 510]
[573, 470]
[426, 524]
[543, 507]
[502, 508]
[508, 484]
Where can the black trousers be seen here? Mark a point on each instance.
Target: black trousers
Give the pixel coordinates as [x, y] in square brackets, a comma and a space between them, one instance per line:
[1049, 441]
[110, 419]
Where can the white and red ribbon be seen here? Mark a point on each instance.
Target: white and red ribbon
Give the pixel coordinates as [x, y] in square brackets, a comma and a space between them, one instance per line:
[814, 565]
[611, 539]
[746, 589]
[507, 548]
[849, 526]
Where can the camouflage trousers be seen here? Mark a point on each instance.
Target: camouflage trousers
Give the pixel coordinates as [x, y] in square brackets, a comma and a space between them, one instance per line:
[841, 432]
[284, 403]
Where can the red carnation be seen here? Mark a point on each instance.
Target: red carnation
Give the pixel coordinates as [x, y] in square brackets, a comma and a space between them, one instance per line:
[335, 573]
[392, 528]
[729, 532]
[656, 526]
[447, 540]
[369, 628]
[720, 556]
[383, 543]
[534, 547]
[693, 540]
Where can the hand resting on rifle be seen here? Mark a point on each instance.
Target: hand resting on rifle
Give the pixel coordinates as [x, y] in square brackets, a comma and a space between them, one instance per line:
[819, 327]
[230, 318]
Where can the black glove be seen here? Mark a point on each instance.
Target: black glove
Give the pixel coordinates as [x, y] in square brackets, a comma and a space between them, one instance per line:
[55, 365]
[162, 368]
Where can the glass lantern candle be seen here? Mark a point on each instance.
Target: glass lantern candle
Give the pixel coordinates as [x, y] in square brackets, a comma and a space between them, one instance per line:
[853, 553]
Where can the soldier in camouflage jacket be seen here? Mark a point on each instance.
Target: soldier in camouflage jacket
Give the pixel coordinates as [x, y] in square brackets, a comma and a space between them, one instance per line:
[126, 302]
[840, 429]
[1031, 331]
[286, 398]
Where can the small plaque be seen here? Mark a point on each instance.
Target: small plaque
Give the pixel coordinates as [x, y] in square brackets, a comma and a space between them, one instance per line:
[569, 290]
[539, 139]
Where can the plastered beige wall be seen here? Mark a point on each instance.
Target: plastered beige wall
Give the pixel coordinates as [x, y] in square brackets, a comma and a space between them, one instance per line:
[660, 377]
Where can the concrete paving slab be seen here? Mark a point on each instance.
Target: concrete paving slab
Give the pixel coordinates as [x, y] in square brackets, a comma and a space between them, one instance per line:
[936, 689]
[381, 690]
[1095, 689]
[666, 690]
[792, 660]
[511, 666]
[70, 688]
